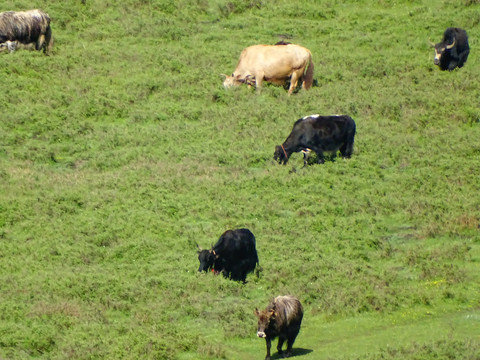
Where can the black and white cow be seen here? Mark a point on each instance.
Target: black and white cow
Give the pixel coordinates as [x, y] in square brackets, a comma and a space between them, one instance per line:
[319, 134]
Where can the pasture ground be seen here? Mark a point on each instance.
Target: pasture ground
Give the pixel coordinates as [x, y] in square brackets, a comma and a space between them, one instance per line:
[121, 152]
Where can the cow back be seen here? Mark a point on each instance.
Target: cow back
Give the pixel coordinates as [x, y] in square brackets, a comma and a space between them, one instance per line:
[274, 61]
[288, 310]
[23, 26]
[239, 243]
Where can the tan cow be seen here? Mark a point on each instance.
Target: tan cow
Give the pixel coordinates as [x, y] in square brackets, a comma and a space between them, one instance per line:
[275, 64]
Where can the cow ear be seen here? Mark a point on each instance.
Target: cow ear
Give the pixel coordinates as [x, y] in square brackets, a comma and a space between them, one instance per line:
[256, 312]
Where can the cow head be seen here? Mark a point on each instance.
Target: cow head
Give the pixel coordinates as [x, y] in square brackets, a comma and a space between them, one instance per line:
[441, 49]
[8, 45]
[264, 318]
[229, 81]
[235, 80]
[207, 259]
[280, 154]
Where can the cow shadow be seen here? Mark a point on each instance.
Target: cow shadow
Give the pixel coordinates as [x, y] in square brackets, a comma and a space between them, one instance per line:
[286, 86]
[295, 352]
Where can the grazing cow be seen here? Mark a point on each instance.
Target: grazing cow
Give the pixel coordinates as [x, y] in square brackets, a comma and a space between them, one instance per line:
[282, 318]
[25, 27]
[275, 64]
[318, 133]
[234, 255]
[453, 50]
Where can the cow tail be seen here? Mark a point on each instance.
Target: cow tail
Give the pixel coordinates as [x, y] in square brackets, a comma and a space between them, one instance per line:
[258, 268]
[309, 74]
[48, 41]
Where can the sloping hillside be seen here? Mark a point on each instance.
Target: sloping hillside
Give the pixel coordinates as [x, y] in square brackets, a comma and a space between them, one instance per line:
[122, 151]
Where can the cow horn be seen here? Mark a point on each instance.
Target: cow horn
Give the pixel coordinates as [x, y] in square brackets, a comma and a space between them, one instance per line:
[432, 44]
[224, 75]
[451, 45]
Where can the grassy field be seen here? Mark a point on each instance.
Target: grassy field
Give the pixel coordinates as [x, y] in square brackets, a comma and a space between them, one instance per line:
[122, 151]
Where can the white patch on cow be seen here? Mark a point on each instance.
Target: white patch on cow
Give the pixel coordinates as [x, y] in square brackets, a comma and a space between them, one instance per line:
[311, 116]
[438, 54]
[306, 155]
[11, 46]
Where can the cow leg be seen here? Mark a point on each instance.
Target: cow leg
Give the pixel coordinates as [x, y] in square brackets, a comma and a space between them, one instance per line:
[269, 345]
[290, 341]
[243, 277]
[259, 81]
[346, 150]
[48, 41]
[293, 82]
[226, 273]
[462, 58]
[452, 65]
[40, 42]
[288, 352]
[320, 157]
[306, 154]
[281, 340]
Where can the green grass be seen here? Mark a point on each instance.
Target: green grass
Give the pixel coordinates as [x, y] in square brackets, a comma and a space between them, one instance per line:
[122, 151]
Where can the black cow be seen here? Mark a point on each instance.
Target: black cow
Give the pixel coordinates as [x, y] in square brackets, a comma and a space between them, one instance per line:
[282, 318]
[320, 134]
[25, 27]
[453, 50]
[234, 255]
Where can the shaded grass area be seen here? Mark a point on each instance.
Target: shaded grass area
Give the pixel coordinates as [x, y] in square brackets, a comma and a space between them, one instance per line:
[122, 151]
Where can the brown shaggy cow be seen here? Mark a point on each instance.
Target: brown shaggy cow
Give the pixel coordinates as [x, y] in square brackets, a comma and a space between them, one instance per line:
[25, 27]
[275, 64]
[282, 318]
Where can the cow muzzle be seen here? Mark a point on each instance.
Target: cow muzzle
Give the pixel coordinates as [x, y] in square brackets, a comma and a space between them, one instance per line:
[261, 334]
